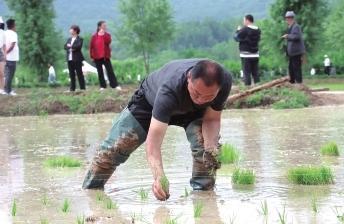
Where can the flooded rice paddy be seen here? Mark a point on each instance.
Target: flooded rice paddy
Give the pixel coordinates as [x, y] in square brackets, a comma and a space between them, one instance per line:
[270, 142]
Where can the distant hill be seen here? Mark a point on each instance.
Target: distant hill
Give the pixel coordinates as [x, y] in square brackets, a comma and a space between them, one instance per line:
[87, 12]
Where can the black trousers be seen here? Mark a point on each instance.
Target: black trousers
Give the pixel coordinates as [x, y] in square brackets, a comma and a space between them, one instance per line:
[250, 67]
[327, 70]
[75, 69]
[295, 69]
[110, 73]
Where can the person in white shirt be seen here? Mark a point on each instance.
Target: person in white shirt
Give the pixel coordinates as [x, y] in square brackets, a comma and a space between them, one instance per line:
[52, 75]
[12, 55]
[2, 55]
[327, 65]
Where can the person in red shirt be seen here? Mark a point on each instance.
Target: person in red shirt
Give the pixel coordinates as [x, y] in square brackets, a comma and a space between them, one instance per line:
[100, 52]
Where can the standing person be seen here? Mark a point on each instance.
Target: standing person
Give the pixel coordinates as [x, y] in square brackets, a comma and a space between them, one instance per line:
[74, 57]
[295, 48]
[189, 93]
[12, 55]
[327, 65]
[248, 38]
[100, 52]
[2, 55]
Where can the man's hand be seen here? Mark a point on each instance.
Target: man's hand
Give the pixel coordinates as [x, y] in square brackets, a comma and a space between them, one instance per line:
[285, 36]
[158, 190]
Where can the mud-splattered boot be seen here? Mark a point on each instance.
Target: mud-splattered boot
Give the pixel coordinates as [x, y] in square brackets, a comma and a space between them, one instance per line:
[125, 136]
[204, 164]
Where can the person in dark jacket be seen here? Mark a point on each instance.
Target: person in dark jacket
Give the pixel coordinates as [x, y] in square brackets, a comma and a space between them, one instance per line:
[100, 52]
[75, 58]
[295, 48]
[248, 38]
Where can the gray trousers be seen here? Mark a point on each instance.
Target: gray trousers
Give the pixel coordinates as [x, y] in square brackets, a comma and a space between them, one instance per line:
[10, 69]
[126, 135]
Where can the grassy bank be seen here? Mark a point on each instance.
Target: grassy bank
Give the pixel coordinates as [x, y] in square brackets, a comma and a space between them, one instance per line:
[332, 83]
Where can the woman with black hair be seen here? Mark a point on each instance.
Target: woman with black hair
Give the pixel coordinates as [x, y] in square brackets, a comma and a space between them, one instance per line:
[100, 52]
[75, 58]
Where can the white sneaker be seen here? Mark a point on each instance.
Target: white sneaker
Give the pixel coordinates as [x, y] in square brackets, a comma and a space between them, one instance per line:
[119, 88]
[101, 89]
[2, 92]
[12, 93]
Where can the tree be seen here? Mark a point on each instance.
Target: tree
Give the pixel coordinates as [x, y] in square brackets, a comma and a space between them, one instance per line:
[309, 14]
[145, 26]
[38, 39]
[335, 27]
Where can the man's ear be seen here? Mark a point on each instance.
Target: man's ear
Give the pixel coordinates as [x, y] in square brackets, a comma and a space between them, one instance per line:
[189, 75]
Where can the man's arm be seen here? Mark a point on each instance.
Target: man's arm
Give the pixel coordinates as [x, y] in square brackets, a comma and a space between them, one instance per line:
[295, 34]
[211, 128]
[156, 134]
[11, 47]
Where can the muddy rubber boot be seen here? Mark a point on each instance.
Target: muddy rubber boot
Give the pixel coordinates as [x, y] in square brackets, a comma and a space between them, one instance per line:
[125, 136]
[203, 176]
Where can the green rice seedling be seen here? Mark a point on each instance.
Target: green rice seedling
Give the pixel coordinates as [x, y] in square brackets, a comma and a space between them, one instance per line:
[62, 161]
[232, 218]
[109, 204]
[45, 199]
[100, 196]
[165, 184]
[339, 214]
[198, 207]
[229, 154]
[171, 221]
[143, 194]
[186, 193]
[311, 175]
[314, 204]
[282, 216]
[14, 208]
[330, 149]
[80, 219]
[243, 176]
[44, 221]
[65, 206]
[263, 210]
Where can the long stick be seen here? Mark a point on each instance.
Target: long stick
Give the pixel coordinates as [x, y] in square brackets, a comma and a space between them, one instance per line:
[248, 92]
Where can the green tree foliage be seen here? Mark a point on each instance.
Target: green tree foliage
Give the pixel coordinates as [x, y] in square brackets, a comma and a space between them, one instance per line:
[309, 14]
[38, 40]
[334, 35]
[146, 25]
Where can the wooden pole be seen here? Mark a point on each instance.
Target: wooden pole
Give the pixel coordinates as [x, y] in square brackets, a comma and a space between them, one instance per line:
[255, 89]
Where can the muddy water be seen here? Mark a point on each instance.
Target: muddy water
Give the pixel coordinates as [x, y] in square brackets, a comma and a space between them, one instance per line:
[270, 142]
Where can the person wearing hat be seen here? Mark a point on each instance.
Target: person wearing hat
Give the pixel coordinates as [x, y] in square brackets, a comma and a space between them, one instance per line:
[2, 55]
[295, 48]
[327, 65]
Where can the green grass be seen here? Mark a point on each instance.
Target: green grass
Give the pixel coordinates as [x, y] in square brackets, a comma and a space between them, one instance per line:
[14, 208]
[330, 149]
[65, 206]
[62, 161]
[109, 204]
[290, 99]
[243, 176]
[229, 154]
[311, 175]
[45, 199]
[171, 221]
[198, 208]
[100, 196]
[80, 219]
[143, 194]
[165, 184]
[330, 86]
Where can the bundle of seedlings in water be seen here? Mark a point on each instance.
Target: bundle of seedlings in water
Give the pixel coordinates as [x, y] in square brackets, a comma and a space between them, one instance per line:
[311, 175]
[165, 184]
[228, 154]
[143, 194]
[44, 221]
[243, 176]
[109, 204]
[80, 219]
[330, 149]
[14, 208]
[62, 161]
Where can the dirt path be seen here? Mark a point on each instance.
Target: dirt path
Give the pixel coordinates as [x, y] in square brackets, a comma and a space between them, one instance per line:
[327, 98]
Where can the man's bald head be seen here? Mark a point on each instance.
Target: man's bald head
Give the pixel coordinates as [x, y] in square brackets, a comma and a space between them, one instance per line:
[209, 71]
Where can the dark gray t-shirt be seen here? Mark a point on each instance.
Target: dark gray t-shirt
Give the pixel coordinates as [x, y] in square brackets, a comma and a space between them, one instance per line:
[166, 91]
